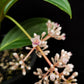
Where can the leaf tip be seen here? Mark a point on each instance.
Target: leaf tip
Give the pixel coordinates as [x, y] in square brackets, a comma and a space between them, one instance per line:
[70, 15]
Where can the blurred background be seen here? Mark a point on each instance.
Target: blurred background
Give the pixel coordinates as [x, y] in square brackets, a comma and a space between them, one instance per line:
[25, 9]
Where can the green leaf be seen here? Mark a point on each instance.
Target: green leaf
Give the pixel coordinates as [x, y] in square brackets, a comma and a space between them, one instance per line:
[15, 38]
[5, 5]
[64, 5]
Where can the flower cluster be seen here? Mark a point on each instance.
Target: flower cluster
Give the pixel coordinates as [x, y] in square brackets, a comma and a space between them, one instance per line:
[19, 63]
[54, 30]
[37, 41]
[61, 60]
[52, 74]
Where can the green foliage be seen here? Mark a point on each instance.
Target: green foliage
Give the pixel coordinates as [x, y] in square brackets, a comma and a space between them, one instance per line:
[63, 5]
[5, 5]
[15, 38]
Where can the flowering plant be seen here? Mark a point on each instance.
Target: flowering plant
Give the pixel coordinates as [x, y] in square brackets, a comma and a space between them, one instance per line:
[44, 29]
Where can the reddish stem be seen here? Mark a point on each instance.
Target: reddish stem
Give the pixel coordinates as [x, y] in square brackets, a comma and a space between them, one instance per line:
[46, 38]
[29, 53]
[48, 61]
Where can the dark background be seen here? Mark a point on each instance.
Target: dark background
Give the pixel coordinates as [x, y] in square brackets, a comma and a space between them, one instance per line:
[25, 9]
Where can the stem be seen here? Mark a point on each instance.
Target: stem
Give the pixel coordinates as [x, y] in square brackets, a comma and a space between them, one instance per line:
[29, 53]
[48, 61]
[13, 20]
[46, 38]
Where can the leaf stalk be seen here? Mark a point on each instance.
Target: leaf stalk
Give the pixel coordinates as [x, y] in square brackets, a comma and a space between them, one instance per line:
[14, 21]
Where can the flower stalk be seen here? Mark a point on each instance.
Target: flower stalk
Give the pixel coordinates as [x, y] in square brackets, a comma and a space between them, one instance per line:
[46, 38]
[47, 60]
[29, 54]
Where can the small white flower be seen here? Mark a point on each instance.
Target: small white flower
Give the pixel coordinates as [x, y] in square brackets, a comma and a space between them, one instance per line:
[43, 34]
[65, 56]
[29, 68]
[75, 74]
[52, 76]
[46, 78]
[46, 68]
[74, 80]
[15, 54]
[64, 60]
[56, 69]
[22, 66]
[24, 72]
[70, 66]
[21, 62]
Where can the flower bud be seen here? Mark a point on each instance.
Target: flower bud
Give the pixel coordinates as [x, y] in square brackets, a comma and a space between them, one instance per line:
[52, 76]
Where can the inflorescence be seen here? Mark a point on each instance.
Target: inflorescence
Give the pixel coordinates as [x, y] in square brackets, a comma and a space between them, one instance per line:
[19, 63]
[52, 74]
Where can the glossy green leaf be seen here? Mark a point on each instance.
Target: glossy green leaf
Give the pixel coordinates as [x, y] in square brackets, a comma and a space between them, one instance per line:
[15, 38]
[5, 5]
[63, 5]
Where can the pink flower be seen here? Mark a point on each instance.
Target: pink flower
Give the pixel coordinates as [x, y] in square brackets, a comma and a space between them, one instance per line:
[36, 40]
